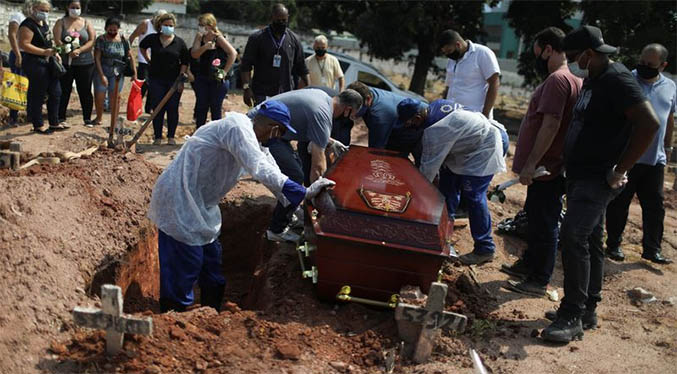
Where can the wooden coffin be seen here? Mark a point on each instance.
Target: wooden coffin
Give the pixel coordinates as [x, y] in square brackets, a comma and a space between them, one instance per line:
[383, 226]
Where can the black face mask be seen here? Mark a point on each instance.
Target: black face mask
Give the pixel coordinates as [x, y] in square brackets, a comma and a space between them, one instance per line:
[112, 34]
[278, 27]
[320, 52]
[542, 65]
[646, 72]
[455, 55]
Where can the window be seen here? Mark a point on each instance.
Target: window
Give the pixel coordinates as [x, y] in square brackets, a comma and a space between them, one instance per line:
[344, 65]
[372, 80]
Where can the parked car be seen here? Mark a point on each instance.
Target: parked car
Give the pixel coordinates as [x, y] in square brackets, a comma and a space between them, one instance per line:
[356, 70]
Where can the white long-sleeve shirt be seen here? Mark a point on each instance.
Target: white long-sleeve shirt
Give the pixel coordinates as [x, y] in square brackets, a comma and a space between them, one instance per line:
[185, 200]
[466, 142]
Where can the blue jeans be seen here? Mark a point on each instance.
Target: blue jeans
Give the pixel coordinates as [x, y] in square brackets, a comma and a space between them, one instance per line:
[581, 237]
[209, 95]
[290, 165]
[157, 90]
[182, 265]
[40, 84]
[543, 207]
[473, 192]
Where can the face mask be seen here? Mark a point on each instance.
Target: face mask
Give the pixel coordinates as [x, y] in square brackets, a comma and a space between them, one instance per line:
[202, 30]
[111, 34]
[167, 30]
[41, 16]
[320, 52]
[278, 27]
[455, 55]
[362, 111]
[74, 12]
[578, 71]
[542, 65]
[646, 72]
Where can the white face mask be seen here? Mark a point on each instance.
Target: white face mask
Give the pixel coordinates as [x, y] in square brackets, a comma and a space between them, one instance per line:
[578, 71]
[74, 12]
[202, 30]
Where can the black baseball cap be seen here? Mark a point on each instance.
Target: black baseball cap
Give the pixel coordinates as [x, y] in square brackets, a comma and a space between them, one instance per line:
[586, 37]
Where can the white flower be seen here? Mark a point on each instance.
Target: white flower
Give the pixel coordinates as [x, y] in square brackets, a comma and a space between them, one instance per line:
[68, 39]
[76, 43]
[68, 48]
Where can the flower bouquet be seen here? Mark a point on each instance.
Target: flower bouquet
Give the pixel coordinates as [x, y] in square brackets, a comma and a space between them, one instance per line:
[70, 43]
[497, 195]
[217, 72]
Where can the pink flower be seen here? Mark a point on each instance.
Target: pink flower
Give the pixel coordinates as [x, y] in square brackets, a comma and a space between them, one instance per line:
[216, 62]
[75, 34]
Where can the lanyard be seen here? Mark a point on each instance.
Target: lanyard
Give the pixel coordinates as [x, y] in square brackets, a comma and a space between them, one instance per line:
[277, 45]
[320, 66]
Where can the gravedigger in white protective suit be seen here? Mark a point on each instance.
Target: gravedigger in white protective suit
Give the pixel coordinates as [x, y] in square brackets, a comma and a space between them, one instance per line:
[185, 200]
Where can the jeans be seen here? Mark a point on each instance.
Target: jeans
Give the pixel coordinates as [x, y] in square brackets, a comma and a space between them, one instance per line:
[209, 95]
[543, 207]
[473, 192]
[83, 80]
[40, 84]
[581, 237]
[157, 90]
[14, 114]
[647, 182]
[306, 160]
[290, 165]
[181, 265]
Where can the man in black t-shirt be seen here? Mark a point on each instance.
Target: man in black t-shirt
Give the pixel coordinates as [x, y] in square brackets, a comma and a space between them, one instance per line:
[276, 54]
[613, 124]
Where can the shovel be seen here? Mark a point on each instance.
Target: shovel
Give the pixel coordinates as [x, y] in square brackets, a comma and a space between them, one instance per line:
[182, 78]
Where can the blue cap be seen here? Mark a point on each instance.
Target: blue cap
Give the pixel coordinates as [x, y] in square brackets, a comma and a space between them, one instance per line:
[277, 111]
[408, 108]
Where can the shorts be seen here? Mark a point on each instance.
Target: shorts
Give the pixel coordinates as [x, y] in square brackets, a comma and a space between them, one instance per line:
[110, 76]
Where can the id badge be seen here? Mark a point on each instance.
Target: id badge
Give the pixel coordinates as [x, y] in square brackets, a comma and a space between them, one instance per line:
[324, 81]
[277, 59]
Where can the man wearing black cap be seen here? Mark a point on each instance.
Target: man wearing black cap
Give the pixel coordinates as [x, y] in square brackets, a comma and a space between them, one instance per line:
[613, 124]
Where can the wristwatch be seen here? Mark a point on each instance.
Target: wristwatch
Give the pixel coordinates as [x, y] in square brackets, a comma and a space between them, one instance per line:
[245, 86]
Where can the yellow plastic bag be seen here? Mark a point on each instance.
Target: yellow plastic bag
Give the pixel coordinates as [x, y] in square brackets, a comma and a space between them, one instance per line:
[14, 91]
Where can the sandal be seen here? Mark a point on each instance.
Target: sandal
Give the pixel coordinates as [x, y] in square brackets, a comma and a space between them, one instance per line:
[58, 127]
[64, 124]
[43, 130]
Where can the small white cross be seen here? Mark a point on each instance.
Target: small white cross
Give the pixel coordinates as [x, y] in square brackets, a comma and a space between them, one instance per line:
[111, 319]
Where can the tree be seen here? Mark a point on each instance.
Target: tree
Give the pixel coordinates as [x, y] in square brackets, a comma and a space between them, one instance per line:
[390, 28]
[630, 25]
[528, 17]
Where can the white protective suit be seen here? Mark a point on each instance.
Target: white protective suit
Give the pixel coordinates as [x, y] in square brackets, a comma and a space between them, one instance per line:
[185, 201]
[466, 142]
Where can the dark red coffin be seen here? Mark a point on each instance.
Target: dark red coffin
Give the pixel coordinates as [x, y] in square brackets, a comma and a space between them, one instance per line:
[383, 226]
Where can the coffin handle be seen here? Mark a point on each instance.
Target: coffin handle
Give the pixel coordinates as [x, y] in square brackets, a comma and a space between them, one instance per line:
[344, 295]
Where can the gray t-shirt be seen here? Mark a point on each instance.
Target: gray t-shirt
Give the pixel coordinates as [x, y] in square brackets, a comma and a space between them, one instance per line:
[311, 113]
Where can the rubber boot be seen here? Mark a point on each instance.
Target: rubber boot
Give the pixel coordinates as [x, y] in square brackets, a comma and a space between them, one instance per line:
[212, 296]
[167, 304]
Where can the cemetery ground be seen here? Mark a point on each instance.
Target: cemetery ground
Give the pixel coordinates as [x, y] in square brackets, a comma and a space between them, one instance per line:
[68, 228]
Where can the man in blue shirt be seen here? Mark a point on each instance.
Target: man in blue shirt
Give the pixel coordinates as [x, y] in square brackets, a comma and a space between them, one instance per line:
[646, 177]
[379, 112]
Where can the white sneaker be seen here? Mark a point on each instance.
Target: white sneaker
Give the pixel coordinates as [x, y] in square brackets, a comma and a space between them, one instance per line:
[285, 236]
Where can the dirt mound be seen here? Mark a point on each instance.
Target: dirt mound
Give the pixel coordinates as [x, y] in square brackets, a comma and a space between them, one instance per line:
[61, 225]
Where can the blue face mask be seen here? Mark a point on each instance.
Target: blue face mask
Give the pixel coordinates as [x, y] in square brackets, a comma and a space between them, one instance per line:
[167, 30]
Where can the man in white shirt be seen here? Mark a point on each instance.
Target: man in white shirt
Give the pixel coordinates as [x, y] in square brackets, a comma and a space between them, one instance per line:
[185, 201]
[473, 74]
[324, 68]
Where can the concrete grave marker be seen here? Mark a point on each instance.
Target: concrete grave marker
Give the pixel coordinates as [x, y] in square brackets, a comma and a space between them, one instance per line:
[111, 319]
[421, 326]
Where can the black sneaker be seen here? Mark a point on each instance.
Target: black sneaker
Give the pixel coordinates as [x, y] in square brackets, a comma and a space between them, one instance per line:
[526, 287]
[589, 319]
[519, 269]
[615, 254]
[563, 330]
[473, 258]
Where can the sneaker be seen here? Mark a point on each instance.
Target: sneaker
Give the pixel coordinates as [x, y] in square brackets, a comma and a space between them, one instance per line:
[526, 287]
[157, 141]
[588, 320]
[518, 269]
[615, 254]
[284, 236]
[563, 330]
[473, 258]
[171, 141]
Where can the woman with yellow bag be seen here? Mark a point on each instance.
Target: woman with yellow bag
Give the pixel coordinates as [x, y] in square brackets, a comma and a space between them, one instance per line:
[16, 54]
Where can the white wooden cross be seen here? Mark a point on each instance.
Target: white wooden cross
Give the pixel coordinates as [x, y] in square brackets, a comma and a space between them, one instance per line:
[111, 319]
[421, 326]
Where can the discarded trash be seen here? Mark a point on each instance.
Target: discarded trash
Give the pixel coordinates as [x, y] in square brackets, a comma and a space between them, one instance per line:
[553, 295]
[641, 295]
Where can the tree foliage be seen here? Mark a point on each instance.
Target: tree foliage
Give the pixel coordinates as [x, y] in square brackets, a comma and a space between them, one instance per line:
[631, 25]
[391, 28]
[528, 17]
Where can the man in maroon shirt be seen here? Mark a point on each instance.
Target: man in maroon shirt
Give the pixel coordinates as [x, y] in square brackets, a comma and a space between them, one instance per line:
[541, 143]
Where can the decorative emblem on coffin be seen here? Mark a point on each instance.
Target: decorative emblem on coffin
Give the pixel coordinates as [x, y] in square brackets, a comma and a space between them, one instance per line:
[386, 202]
